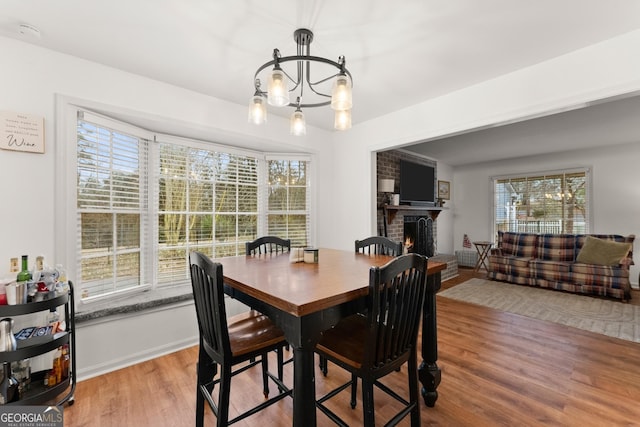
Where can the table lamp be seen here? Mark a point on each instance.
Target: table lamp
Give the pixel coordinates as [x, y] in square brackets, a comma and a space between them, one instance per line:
[386, 186]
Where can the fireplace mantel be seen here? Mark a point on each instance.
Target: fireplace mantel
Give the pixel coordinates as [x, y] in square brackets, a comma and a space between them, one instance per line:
[391, 210]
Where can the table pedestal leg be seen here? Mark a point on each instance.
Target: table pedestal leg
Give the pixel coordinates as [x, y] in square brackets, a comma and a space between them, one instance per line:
[429, 374]
[304, 406]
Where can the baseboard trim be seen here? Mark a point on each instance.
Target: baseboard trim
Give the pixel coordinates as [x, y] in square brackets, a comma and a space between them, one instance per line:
[133, 359]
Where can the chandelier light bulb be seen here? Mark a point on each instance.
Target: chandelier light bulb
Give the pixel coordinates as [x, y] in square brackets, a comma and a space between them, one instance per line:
[341, 96]
[342, 120]
[278, 88]
[298, 125]
[257, 110]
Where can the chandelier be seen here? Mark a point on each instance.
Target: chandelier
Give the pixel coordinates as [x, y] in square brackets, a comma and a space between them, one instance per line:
[291, 85]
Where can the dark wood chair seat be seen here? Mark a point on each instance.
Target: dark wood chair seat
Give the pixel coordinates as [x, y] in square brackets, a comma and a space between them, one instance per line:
[348, 351]
[252, 331]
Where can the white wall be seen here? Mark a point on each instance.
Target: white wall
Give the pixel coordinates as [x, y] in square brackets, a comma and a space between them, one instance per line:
[616, 193]
[33, 81]
[344, 185]
[446, 218]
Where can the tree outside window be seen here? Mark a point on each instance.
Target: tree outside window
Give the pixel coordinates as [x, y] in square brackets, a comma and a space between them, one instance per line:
[554, 203]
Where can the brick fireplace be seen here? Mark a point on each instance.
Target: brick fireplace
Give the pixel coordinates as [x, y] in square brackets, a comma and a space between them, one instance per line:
[388, 167]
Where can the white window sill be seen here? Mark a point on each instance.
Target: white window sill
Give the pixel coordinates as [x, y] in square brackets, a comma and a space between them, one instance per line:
[134, 303]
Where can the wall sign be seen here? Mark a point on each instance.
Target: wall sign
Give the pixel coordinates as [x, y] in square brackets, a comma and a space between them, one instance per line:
[21, 132]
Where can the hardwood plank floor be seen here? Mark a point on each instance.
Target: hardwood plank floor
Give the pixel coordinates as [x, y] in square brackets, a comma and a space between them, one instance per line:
[498, 369]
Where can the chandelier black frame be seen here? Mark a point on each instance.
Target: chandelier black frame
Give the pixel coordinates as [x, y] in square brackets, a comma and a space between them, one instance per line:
[339, 99]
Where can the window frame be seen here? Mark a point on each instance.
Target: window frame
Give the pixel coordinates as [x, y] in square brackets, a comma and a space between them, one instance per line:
[67, 214]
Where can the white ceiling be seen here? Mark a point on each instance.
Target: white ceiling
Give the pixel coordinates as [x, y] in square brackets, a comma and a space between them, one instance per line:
[399, 53]
[603, 124]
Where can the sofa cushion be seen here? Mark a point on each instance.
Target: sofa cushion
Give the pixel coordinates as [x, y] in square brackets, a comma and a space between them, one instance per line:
[557, 247]
[602, 251]
[510, 268]
[599, 270]
[582, 238]
[509, 260]
[616, 287]
[518, 244]
[554, 271]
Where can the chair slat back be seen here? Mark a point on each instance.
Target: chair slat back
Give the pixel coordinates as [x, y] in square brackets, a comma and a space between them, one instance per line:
[379, 245]
[267, 244]
[208, 295]
[396, 295]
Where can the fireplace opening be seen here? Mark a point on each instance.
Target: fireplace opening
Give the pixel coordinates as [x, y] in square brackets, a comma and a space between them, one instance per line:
[418, 235]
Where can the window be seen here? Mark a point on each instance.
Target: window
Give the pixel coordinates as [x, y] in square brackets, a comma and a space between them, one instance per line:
[288, 200]
[208, 201]
[111, 202]
[552, 202]
[144, 202]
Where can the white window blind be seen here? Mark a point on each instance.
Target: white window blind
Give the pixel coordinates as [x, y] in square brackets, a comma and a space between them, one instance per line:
[288, 203]
[551, 202]
[143, 205]
[111, 200]
[208, 201]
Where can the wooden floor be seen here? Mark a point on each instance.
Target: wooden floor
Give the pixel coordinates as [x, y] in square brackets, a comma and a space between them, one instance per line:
[498, 369]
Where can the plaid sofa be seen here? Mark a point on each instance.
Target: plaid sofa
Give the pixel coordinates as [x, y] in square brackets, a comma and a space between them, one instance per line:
[549, 261]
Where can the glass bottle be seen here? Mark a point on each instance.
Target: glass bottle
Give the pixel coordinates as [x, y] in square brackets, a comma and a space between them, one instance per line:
[24, 275]
[8, 385]
[39, 263]
[13, 266]
[53, 317]
[62, 273]
[4, 384]
[65, 361]
[57, 366]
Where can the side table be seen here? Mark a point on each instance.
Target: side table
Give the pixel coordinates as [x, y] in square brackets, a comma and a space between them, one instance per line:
[482, 248]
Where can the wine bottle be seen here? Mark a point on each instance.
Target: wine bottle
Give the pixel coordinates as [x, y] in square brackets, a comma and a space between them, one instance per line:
[5, 385]
[24, 275]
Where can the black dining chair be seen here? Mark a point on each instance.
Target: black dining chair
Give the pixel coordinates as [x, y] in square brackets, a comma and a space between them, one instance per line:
[377, 343]
[224, 343]
[379, 245]
[370, 245]
[267, 244]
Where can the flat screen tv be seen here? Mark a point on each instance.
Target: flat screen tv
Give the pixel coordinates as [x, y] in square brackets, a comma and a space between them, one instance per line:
[417, 184]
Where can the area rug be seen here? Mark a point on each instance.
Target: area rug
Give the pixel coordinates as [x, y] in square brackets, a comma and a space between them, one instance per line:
[607, 317]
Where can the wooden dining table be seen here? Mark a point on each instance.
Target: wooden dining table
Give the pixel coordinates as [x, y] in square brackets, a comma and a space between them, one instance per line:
[305, 299]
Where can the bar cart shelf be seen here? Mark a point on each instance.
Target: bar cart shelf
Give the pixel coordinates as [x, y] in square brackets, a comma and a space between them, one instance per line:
[32, 347]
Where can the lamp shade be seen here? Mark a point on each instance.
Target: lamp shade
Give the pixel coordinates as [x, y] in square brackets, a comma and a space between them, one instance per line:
[257, 110]
[298, 125]
[341, 95]
[385, 185]
[277, 88]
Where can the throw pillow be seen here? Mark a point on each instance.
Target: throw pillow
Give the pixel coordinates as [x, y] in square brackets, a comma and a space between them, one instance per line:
[603, 252]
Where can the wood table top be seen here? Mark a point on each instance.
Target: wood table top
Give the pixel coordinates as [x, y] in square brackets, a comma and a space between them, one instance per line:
[301, 288]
